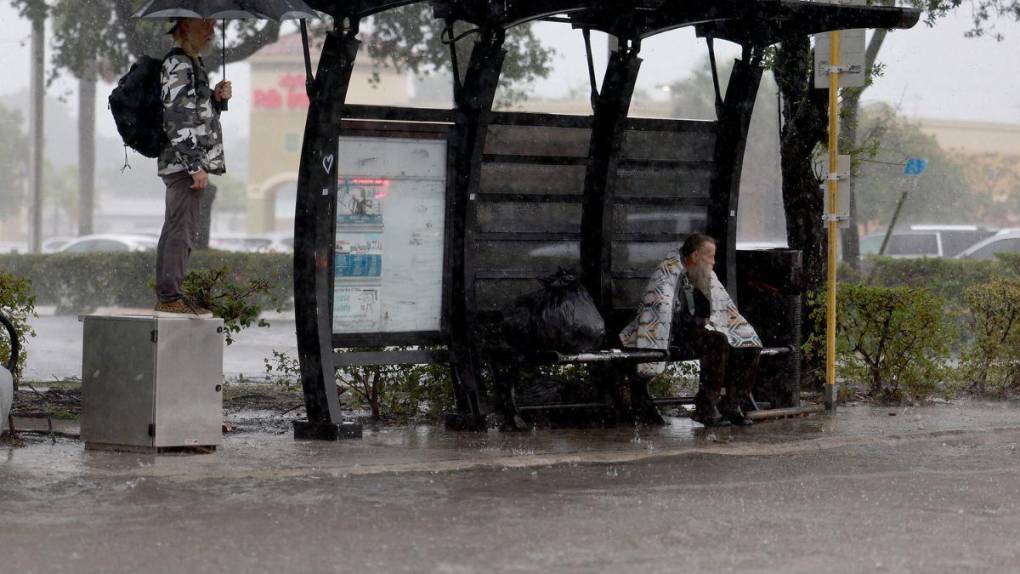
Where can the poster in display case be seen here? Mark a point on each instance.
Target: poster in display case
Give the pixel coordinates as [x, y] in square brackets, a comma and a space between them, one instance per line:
[390, 219]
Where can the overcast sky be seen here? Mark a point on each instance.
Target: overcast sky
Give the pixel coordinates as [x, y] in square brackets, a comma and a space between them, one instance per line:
[930, 72]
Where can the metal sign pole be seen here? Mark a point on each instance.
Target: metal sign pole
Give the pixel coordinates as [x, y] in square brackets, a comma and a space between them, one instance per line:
[895, 216]
[913, 168]
[832, 223]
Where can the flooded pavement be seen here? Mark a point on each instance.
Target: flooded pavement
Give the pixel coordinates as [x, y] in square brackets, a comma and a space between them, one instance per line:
[273, 451]
[933, 488]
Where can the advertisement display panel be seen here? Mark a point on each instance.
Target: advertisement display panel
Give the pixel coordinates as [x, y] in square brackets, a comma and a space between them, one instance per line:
[390, 218]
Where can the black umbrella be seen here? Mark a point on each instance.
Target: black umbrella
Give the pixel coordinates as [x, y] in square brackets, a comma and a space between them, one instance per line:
[224, 10]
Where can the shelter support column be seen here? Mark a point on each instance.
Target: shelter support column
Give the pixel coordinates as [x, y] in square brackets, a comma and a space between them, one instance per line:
[605, 149]
[474, 97]
[314, 229]
[730, 142]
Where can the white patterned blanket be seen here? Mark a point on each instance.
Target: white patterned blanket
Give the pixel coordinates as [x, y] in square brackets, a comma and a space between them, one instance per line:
[651, 328]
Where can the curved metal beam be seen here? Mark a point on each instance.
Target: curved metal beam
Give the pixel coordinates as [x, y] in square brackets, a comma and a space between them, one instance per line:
[730, 142]
[314, 221]
[471, 123]
[604, 151]
[14, 347]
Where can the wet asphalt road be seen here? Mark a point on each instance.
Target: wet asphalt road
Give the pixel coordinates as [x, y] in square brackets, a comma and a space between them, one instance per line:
[946, 502]
[929, 490]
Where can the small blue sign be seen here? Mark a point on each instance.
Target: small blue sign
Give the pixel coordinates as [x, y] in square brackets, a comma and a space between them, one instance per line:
[915, 166]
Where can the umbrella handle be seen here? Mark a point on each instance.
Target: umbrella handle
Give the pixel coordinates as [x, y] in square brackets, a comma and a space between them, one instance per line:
[223, 56]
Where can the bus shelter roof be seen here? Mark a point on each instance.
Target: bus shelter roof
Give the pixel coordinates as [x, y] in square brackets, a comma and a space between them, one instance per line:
[759, 22]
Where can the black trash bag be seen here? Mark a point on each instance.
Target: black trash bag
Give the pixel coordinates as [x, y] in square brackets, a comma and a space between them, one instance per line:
[559, 317]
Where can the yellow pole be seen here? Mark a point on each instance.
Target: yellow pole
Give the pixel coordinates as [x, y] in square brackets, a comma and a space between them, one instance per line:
[833, 191]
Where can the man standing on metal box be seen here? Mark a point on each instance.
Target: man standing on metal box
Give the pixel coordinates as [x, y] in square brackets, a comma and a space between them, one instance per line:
[191, 120]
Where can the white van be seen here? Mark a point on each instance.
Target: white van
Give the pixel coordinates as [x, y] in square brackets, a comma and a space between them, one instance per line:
[926, 241]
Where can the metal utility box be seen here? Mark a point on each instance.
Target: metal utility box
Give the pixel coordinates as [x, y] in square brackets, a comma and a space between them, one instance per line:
[152, 383]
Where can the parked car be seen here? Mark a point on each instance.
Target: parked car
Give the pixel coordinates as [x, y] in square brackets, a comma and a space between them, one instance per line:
[926, 241]
[109, 243]
[904, 244]
[252, 243]
[53, 244]
[956, 238]
[1005, 241]
[13, 247]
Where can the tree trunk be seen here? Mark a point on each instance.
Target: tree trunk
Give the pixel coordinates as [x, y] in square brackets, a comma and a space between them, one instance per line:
[848, 134]
[804, 114]
[376, 400]
[87, 148]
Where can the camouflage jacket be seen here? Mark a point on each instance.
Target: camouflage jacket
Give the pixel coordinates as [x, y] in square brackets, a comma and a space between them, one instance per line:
[191, 118]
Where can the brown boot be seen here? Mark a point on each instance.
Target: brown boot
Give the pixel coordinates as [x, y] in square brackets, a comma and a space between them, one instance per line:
[733, 413]
[179, 308]
[198, 309]
[706, 413]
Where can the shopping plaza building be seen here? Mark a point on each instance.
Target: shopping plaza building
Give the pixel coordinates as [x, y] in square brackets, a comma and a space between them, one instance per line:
[279, 104]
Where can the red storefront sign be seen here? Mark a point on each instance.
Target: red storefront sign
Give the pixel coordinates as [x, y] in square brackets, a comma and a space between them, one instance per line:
[291, 94]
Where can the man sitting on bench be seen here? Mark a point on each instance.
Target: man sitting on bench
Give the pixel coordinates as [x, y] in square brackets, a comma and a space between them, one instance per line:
[686, 308]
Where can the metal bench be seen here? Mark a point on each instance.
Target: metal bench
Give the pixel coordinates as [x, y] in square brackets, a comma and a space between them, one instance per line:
[612, 371]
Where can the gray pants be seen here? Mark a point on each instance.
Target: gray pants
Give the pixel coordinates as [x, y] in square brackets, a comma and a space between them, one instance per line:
[176, 239]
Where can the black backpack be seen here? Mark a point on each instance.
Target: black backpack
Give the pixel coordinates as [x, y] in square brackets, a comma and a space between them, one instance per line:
[137, 107]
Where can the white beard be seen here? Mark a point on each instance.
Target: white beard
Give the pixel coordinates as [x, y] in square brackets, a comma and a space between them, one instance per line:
[700, 277]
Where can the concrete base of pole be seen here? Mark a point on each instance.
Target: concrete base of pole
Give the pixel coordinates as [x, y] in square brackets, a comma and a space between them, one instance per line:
[785, 413]
[830, 397]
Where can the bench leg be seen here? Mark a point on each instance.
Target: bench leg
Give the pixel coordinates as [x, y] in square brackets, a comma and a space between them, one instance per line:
[469, 391]
[630, 397]
[505, 374]
[643, 409]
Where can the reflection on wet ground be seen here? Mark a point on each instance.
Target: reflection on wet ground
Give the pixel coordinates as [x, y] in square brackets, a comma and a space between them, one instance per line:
[426, 447]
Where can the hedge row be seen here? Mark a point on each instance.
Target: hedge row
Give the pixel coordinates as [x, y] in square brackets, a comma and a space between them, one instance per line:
[77, 283]
[80, 283]
[946, 278]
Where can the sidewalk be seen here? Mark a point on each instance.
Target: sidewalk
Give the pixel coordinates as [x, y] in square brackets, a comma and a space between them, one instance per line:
[427, 448]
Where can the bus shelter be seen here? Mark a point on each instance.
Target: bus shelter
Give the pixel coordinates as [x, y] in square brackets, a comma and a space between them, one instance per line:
[414, 227]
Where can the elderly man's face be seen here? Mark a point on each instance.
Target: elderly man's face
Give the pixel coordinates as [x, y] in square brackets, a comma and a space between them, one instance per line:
[198, 32]
[699, 267]
[705, 256]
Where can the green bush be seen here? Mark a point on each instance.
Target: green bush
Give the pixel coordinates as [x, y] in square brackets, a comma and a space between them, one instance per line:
[396, 393]
[80, 283]
[1010, 262]
[17, 303]
[233, 298]
[947, 279]
[991, 363]
[944, 278]
[892, 341]
[679, 379]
